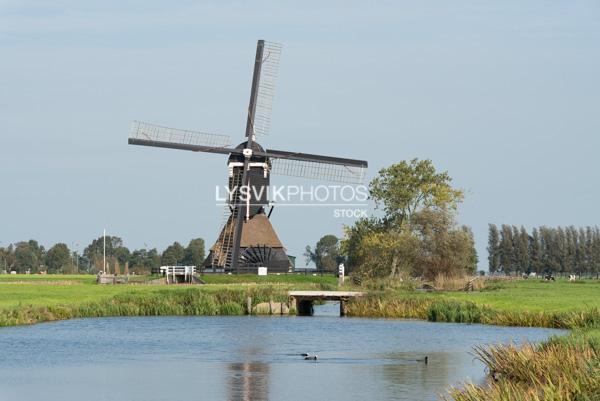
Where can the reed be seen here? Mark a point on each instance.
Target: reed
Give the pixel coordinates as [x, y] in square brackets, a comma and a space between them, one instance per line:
[457, 312]
[421, 306]
[384, 305]
[458, 283]
[191, 302]
[566, 369]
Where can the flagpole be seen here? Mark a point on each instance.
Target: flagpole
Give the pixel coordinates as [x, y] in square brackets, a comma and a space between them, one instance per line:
[104, 253]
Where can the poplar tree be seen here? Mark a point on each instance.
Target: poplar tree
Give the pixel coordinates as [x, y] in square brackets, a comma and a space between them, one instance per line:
[506, 249]
[493, 248]
[535, 251]
[596, 252]
[580, 267]
[523, 245]
[571, 256]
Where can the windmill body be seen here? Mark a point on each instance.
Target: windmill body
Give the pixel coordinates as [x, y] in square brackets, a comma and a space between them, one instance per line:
[259, 245]
[247, 239]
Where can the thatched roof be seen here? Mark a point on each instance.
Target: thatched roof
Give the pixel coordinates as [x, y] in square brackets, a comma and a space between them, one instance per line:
[256, 231]
[259, 231]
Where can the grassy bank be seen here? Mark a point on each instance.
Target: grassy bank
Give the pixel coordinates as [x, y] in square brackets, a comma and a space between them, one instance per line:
[32, 299]
[514, 303]
[149, 302]
[27, 299]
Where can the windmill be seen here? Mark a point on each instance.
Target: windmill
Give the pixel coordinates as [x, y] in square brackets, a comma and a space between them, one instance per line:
[247, 239]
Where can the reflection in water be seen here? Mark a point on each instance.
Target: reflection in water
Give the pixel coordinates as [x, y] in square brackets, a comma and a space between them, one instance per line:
[248, 381]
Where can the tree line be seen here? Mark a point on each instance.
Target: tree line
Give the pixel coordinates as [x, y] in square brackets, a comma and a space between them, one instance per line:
[415, 234]
[30, 256]
[544, 250]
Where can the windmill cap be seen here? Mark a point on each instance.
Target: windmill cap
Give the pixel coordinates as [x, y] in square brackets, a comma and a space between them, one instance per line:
[240, 158]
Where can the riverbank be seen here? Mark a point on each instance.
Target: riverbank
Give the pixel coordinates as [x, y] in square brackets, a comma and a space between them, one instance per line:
[530, 303]
[35, 299]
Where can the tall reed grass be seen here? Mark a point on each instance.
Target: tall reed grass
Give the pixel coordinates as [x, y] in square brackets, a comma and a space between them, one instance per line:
[420, 306]
[458, 283]
[566, 369]
[192, 302]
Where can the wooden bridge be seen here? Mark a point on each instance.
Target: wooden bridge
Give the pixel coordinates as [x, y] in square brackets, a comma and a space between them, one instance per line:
[302, 301]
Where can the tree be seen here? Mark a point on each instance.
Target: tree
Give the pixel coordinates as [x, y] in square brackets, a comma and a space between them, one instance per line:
[506, 249]
[350, 246]
[589, 250]
[572, 256]
[7, 258]
[153, 259]
[94, 252]
[561, 250]
[143, 260]
[474, 257]
[493, 248]
[407, 187]
[58, 258]
[595, 268]
[122, 254]
[535, 252]
[582, 253]
[194, 253]
[29, 256]
[444, 249]
[388, 254]
[139, 258]
[549, 262]
[564, 250]
[173, 255]
[417, 232]
[523, 250]
[326, 255]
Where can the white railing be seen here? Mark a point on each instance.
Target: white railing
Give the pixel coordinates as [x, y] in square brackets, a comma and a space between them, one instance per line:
[187, 272]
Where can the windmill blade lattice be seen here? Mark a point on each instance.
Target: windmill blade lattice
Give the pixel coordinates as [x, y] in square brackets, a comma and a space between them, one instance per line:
[266, 89]
[319, 170]
[158, 133]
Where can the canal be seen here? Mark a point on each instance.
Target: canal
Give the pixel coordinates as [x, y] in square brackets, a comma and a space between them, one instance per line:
[244, 358]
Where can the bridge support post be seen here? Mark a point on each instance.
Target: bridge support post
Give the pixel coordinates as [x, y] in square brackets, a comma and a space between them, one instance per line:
[343, 309]
[249, 305]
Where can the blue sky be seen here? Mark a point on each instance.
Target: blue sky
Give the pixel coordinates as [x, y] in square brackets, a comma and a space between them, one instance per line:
[502, 95]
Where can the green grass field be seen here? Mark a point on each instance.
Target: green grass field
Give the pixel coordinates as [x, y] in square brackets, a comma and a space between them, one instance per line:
[69, 290]
[534, 295]
[558, 304]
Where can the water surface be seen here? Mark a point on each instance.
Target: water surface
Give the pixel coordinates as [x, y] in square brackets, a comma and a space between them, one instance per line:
[242, 358]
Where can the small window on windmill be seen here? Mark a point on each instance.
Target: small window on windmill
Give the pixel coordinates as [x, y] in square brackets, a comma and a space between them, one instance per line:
[262, 271]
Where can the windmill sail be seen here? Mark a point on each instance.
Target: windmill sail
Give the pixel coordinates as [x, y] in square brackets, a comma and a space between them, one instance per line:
[317, 167]
[156, 135]
[317, 170]
[269, 72]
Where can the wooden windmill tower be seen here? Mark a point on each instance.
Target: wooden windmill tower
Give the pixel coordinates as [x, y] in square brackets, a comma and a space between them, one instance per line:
[247, 239]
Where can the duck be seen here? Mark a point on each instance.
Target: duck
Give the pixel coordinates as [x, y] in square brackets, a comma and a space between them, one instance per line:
[311, 357]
